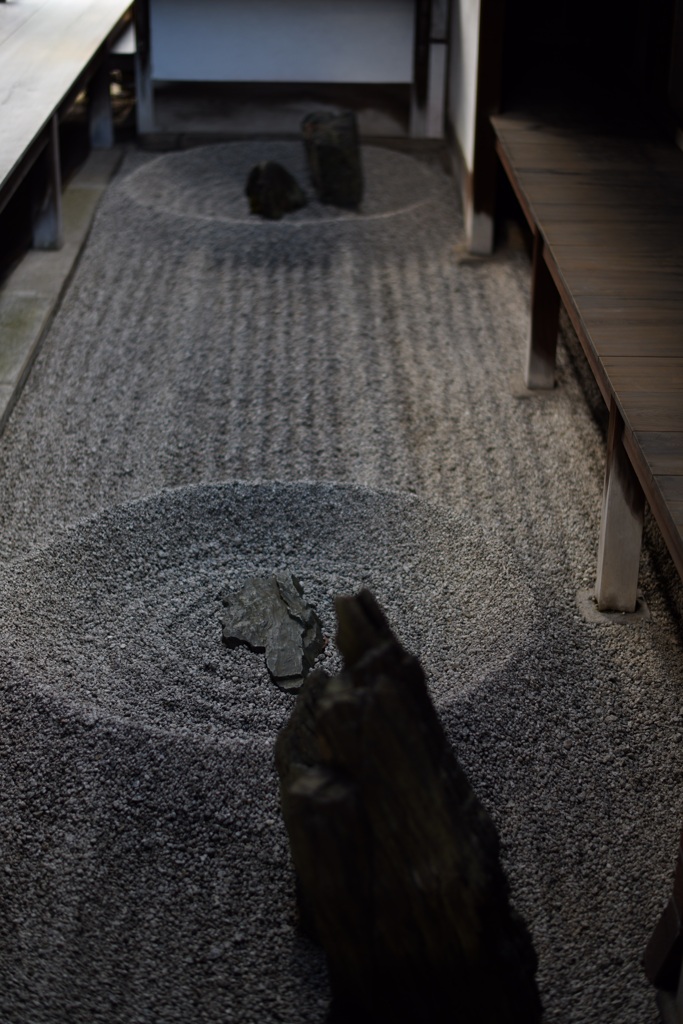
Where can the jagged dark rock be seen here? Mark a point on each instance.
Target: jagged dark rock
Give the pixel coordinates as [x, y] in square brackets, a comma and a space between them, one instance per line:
[397, 862]
[272, 191]
[269, 614]
[334, 160]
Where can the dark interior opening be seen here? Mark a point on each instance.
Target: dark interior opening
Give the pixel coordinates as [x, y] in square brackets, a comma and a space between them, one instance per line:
[602, 59]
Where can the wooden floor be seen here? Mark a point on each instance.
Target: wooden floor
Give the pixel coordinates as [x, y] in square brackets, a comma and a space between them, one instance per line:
[609, 210]
[46, 49]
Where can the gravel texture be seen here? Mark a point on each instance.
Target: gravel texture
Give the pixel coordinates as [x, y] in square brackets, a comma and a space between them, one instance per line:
[331, 395]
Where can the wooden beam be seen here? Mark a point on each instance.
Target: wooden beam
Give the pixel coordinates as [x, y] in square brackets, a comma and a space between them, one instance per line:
[545, 318]
[489, 83]
[621, 525]
[144, 87]
[100, 118]
[47, 205]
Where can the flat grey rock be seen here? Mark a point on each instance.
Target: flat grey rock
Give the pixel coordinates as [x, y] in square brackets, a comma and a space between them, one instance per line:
[269, 614]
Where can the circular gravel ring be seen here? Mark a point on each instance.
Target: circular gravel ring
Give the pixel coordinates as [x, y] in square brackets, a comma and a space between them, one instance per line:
[121, 615]
[207, 184]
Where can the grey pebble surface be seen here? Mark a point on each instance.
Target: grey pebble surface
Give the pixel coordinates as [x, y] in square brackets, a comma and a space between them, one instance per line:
[329, 395]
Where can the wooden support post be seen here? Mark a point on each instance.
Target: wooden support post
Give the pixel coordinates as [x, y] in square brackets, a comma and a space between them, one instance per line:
[430, 70]
[418, 101]
[621, 526]
[479, 203]
[144, 87]
[100, 120]
[436, 96]
[47, 210]
[545, 320]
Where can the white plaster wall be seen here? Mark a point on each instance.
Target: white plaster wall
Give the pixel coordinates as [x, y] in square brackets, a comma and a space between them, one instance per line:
[462, 74]
[283, 40]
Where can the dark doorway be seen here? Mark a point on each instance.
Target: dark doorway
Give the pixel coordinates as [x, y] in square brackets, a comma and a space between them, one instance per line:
[614, 59]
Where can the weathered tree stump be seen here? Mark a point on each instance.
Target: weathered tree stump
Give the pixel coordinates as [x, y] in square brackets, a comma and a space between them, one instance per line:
[397, 862]
[333, 152]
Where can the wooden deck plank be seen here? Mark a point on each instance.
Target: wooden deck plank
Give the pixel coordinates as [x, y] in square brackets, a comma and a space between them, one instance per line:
[672, 488]
[15, 14]
[631, 345]
[622, 236]
[624, 283]
[653, 410]
[641, 373]
[565, 159]
[557, 165]
[640, 325]
[663, 451]
[40, 60]
[598, 256]
[636, 309]
[600, 176]
[563, 213]
[580, 192]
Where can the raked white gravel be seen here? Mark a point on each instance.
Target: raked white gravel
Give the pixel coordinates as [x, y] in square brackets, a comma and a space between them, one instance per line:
[332, 395]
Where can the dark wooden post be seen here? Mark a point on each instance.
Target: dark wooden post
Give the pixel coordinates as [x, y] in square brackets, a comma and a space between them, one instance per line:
[144, 89]
[47, 207]
[423, 18]
[100, 120]
[430, 56]
[621, 525]
[480, 217]
[545, 319]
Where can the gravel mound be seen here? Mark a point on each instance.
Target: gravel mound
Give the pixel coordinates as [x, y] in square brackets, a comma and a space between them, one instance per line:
[151, 830]
[208, 184]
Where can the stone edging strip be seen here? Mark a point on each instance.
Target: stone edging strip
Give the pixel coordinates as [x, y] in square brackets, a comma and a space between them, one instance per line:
[30, 295]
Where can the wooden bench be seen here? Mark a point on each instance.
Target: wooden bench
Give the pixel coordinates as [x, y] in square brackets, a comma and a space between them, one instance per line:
[50, 51]
[606, 213]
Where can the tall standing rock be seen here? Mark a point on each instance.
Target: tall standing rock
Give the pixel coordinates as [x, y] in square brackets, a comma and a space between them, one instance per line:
[334, 161]
[397, 862]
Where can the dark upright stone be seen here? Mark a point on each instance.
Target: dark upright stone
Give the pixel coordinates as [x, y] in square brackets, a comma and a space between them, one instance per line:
[397, 862]
[333, 151]
[272, 191]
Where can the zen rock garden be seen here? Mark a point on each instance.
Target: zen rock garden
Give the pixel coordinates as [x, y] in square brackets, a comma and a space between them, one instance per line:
[334, 162]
